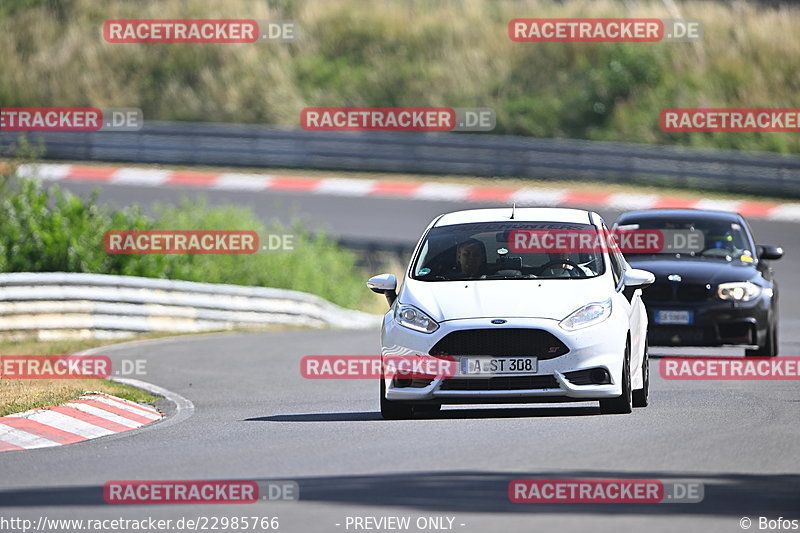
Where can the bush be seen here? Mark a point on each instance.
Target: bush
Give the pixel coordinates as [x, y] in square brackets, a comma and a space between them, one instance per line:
[53, 231]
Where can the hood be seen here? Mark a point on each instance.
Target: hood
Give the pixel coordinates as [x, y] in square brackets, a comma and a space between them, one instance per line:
[553, 299]
[695, 269]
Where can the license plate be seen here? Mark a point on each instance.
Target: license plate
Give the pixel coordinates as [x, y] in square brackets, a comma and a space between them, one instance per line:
[477, 366]
[674, 317]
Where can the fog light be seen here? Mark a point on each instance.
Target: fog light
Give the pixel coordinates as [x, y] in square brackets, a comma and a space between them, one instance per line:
[599, 376]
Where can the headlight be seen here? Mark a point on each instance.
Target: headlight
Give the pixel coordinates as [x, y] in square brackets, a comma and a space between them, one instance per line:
[587, 315]
[738, 291]
[412, 318]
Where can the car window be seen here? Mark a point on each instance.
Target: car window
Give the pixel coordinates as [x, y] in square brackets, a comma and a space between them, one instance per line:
[722, 239]
[488, 251]
[616, 260]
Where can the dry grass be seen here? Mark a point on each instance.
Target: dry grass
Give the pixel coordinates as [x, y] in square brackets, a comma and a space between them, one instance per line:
[414, 52]
[18, 395]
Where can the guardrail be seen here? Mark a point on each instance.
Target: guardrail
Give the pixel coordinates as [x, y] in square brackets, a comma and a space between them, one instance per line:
[53, 305]
[192, 143]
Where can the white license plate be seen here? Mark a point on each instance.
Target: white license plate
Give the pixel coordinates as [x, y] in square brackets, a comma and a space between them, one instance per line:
[476, 366]
[674, 317]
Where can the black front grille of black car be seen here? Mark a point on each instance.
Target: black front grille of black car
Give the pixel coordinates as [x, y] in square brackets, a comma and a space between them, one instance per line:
[657, 292]
[500, 383]
[677, 292]
[513, 342]
[692, 292]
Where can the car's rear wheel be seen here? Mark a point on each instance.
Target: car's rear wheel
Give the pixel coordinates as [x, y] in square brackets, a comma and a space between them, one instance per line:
[394, 410]
[770, 346]
[641, 397]
[622, 404]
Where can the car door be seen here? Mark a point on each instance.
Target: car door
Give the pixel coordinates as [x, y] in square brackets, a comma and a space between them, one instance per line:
[631, 301]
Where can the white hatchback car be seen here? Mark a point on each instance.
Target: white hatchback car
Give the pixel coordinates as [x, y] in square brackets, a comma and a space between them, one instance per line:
[520, 326]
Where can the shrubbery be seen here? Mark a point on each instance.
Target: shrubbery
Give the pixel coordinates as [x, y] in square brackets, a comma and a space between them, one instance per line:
[55, 231]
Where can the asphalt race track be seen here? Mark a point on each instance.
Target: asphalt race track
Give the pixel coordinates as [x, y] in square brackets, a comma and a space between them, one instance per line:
[257, 418]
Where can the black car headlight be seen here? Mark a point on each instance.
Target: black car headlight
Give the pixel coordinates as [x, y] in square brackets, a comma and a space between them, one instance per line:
[738, 291]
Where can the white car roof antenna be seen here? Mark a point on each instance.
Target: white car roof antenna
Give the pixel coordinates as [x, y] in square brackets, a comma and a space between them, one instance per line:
[513, 209]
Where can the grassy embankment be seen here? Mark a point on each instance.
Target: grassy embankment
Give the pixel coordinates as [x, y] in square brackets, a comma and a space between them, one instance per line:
[413, 53]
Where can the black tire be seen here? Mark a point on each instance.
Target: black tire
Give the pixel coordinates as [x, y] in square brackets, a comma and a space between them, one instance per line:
[623, 404]
[641, 397]
[394, 410]
[770, 346]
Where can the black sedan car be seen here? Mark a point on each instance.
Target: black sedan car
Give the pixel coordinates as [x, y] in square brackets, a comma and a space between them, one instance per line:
[724, 293]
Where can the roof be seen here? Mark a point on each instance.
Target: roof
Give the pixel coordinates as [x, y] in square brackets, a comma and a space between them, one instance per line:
[697, 214]
[524, 214]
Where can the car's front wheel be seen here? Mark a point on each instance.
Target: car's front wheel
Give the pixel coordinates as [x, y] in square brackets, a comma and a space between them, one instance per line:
[622, 404]
[394, 410]
[770, 346]
[641, 397]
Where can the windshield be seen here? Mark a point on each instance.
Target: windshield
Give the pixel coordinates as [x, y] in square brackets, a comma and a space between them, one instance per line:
[483, 251]
[722, 239]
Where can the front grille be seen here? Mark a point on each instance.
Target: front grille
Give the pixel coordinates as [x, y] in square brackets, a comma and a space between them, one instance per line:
[500, 383]
[677, 292]
[512, 342]
[692, 292]
[657, 292]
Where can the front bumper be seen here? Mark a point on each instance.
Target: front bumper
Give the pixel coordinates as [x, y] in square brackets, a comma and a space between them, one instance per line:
[595, 347]
[714, 323]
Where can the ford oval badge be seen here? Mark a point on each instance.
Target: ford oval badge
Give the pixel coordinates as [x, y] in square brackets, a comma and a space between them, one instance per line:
[498, 321]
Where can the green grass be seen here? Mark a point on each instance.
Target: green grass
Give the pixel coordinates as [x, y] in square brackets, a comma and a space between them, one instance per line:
[413, 53]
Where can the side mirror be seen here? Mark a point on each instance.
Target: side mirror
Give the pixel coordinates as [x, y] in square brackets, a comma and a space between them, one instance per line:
[385, 284]
[637, 278]
[766, 251]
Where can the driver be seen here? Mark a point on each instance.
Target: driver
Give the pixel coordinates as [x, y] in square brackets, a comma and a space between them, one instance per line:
[561, 266]
[471, 258]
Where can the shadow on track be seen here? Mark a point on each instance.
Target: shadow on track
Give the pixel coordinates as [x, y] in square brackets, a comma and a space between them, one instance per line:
[733, 495]
[445, 414]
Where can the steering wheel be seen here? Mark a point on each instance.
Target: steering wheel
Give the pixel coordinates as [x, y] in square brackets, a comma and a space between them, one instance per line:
[581, 273]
